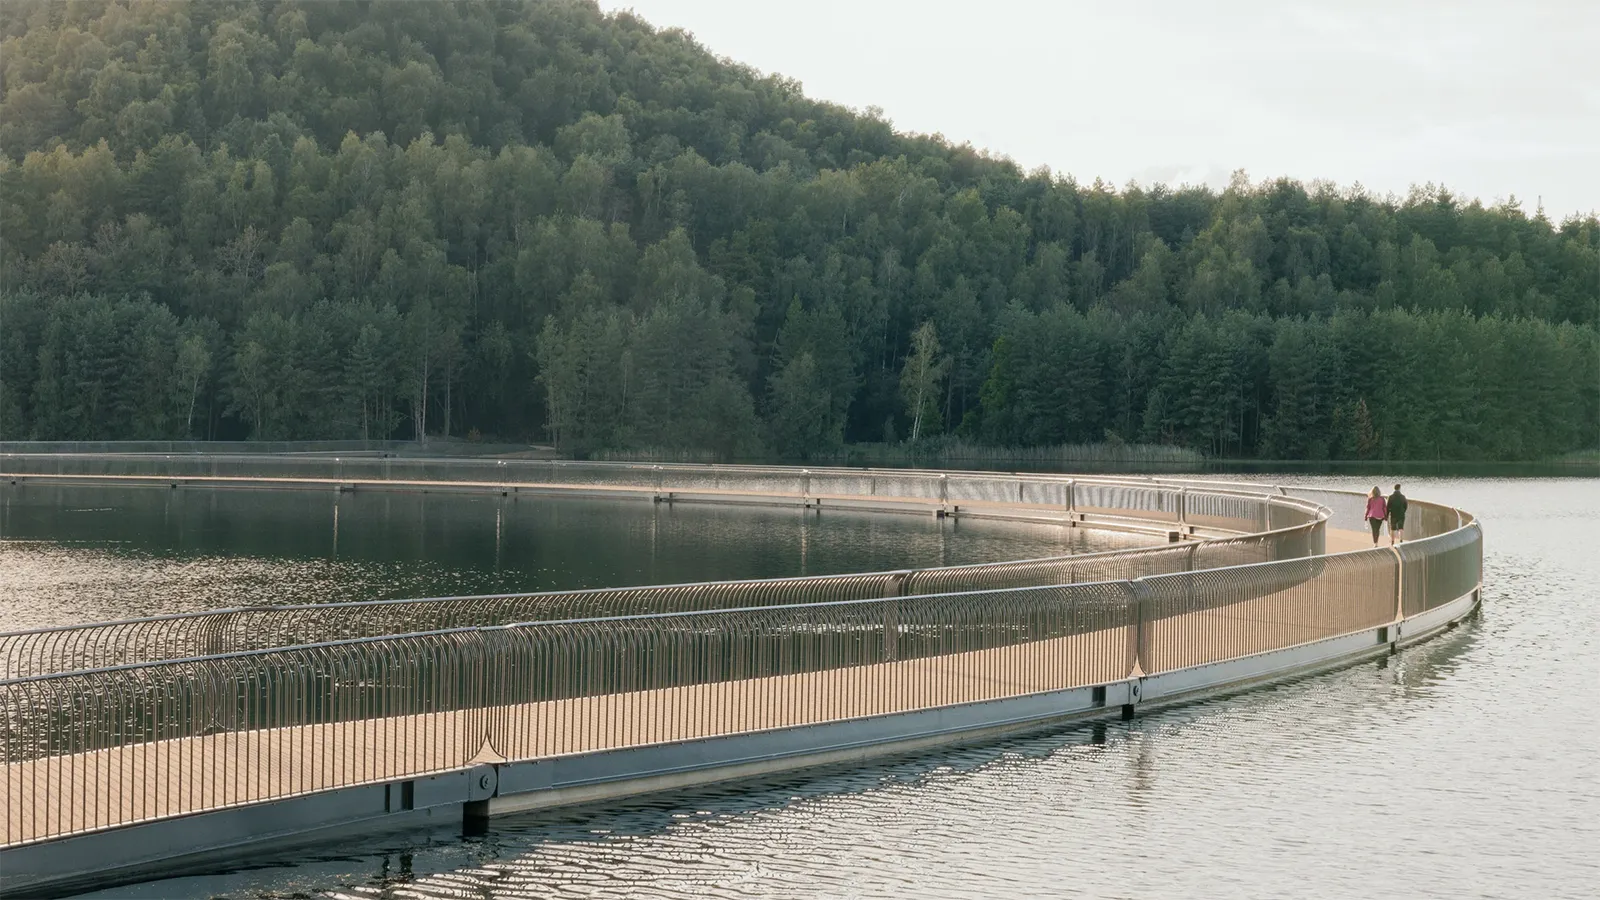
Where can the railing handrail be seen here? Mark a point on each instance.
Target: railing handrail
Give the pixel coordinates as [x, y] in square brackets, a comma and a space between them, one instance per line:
[1241, 487]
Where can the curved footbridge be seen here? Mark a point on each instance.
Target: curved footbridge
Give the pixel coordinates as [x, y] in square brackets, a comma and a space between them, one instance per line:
[175, 743]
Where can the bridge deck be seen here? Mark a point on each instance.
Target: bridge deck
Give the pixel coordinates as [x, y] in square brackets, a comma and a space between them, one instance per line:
[1340, 540]
[167, 778]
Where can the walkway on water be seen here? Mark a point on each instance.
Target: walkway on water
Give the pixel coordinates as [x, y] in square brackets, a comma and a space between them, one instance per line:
[171, 759]
[286, 762]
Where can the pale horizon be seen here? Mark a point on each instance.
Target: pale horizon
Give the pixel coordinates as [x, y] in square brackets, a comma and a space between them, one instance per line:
[1389, 96]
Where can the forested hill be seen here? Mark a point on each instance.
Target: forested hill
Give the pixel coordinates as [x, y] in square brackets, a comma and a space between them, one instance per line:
[533, 220]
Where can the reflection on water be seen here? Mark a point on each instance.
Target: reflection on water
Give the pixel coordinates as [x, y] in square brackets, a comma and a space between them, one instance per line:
[1468, 766]
[75, 554]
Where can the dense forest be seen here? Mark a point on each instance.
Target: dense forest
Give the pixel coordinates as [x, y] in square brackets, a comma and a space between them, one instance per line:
[537, 221]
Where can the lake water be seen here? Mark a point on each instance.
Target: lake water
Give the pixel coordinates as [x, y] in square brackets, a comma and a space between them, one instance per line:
[74, 554]
[1468, 766]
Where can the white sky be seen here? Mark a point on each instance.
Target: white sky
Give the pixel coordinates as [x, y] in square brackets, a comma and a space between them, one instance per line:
[1492, 99]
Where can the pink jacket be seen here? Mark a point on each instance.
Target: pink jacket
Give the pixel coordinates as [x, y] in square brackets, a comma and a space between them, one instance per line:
[1377, 508]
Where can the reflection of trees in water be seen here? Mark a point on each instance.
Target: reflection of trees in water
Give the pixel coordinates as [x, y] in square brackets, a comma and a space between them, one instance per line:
[435, 544]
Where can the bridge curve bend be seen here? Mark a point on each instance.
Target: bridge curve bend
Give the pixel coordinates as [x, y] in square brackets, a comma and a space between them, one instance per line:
[227, 730]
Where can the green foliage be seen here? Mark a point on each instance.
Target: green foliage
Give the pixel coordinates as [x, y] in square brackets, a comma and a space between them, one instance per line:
[920, 380]
[803, 420]
[812, 384]
[533, 219]
[1392, 384]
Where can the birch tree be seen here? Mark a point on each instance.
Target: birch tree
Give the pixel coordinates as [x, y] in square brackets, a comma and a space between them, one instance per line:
[920, 378]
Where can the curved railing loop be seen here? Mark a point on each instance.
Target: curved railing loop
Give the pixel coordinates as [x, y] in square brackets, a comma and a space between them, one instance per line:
[196, 718]
[1261, 527]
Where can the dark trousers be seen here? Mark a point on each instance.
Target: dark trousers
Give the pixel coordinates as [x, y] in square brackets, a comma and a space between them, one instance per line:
[1377, 526]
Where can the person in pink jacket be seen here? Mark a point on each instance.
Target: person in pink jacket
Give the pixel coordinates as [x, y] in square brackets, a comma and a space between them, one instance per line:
[1377, 512]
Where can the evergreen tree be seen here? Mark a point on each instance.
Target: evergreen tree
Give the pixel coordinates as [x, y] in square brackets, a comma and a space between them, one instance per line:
[535, 220]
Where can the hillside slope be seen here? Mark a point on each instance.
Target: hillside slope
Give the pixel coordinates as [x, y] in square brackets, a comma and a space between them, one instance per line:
[528, 219]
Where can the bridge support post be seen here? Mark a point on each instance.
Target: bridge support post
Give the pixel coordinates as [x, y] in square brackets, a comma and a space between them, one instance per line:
[1129, 708]
[1139, 599]
[1399, 598]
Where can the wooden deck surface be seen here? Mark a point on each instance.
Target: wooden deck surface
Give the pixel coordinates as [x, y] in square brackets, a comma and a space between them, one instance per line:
[1340, 540]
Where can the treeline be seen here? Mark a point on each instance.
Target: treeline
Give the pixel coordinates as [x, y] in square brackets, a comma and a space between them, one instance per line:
[1355, 385]
[534, 220]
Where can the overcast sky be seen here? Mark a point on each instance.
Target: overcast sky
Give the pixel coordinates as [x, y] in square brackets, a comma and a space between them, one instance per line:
[1492, 99]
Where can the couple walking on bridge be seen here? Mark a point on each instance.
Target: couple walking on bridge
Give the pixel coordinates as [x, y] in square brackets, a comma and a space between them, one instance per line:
[1392, 509]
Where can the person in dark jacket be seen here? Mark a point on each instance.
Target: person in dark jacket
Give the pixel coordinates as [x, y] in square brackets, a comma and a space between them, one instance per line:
[1397, 516]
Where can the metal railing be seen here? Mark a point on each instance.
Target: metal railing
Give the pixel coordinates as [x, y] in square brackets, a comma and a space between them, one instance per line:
[88, 750]
[93, 749]
[434, 446]
[1437, 569]
[209, 448]
[1141, 499]
[1298, 533]
[181, 635]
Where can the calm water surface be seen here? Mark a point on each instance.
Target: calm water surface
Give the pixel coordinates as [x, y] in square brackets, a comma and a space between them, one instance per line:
[74, 554]
[1468, 766]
